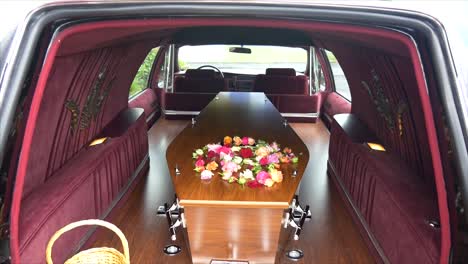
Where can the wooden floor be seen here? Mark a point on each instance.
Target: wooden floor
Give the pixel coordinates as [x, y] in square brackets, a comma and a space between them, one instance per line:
[329, 236]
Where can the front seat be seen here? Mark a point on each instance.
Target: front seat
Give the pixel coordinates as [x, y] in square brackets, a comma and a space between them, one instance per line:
[281, 81]
[199, 81]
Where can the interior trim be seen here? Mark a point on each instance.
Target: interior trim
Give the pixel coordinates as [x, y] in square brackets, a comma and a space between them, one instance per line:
[177, 112]
[305, 115]
[194, 113]
[150, 117]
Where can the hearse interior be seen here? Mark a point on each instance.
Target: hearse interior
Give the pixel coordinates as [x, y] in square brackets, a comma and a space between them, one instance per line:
[105, 98]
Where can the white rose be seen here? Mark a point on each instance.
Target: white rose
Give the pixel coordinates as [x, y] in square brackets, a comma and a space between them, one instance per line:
[248, 162]
[206, 175]
[235, 148]
[227, 157]
[237, 160]
[227, 175]
[248, 174]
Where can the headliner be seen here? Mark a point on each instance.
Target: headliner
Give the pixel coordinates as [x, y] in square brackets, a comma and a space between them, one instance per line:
[241, 36]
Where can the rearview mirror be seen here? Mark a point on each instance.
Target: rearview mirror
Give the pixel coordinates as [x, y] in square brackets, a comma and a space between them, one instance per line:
[240, 50]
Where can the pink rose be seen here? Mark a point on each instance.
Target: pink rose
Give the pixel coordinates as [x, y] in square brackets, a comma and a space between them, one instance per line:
[214, 147]
[273, 158]
[225, 150]
[275, 146]
[245, 141]
[251, 141]
[206, 175]
[199, 163]
[262, 176]
[230, 167]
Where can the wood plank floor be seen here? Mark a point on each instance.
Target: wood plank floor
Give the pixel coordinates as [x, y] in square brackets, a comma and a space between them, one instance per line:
[329, 236]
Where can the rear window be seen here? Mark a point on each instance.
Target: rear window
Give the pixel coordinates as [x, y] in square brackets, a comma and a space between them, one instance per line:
[260, 58]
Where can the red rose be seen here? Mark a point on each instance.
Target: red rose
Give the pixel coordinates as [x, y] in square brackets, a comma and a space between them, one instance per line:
[246, 153]
[263, 161]
[211, 155]
[254, 184]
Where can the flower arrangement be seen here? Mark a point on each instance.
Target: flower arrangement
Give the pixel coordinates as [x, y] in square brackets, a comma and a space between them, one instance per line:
[245, 161]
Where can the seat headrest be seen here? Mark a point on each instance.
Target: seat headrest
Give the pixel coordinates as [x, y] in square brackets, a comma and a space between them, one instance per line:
[200, 74]
[281, 71]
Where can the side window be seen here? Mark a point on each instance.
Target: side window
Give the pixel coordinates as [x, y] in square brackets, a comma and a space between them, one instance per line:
[341, 84]
[166, 72]
[320, 80]
[140, 82]
[162, 76]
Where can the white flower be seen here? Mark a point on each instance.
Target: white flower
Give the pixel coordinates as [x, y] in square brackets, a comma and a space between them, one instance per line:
[226, 157]
[275, 146]
[199, 152]
[248, 162]
[269, 148]
[248, 174]
[237, 159]
[227, 175]
[235, 149]
[206, 175]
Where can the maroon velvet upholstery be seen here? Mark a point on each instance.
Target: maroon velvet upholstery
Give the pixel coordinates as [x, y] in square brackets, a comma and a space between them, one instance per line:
[149, 102]
[336, 104]
[396, 79]
[393, 200]
[280, 84]
[297, 105]
[332, 105]
[200, 74]
[394, 191]
[281, 71]
[72, 79]
[201, 81]
[65, 180]
[187, 101]
[83, 188]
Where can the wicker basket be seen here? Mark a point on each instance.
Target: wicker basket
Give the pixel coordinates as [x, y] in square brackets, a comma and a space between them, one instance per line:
[101, 255]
